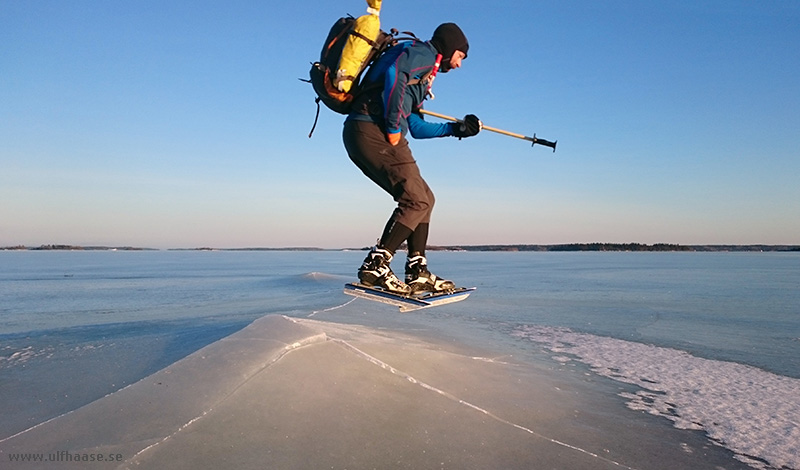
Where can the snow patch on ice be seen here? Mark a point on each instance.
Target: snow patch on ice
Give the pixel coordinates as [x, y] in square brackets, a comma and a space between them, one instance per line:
[750, 411]
[10, 356]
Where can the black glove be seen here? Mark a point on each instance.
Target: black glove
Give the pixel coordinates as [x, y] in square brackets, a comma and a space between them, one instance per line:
[470, 126]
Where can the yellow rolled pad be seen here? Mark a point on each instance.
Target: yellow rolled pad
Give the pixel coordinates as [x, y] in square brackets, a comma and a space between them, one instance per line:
[356, 49]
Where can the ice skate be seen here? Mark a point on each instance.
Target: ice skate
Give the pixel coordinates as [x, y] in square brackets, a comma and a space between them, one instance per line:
[376, 272]
[420, 279]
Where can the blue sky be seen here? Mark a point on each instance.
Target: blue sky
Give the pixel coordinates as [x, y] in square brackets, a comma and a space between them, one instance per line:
[183, 124]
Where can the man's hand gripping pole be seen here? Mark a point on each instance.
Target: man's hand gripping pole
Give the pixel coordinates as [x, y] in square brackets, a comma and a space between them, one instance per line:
[535, 140]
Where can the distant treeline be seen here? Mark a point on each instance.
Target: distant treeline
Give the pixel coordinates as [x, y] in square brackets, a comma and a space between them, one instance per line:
[570, 247]
[72, 248]
[617, 247]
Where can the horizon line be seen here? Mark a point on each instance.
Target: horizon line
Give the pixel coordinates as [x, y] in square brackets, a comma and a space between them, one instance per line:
[592, 246]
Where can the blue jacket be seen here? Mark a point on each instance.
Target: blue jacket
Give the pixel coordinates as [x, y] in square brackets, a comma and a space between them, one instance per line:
[406, 61]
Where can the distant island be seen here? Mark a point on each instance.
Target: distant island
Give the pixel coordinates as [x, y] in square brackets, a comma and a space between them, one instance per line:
[75, 248]
[633, 247]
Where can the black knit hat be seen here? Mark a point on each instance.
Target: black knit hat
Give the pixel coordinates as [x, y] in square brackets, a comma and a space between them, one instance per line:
[447, 39]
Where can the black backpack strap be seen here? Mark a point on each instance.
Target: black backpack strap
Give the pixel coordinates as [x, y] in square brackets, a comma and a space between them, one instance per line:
[368, 40]
[316, 118]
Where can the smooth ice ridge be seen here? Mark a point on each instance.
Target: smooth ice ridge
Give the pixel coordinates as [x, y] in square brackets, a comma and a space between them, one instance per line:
[143, 416]
[752, 412]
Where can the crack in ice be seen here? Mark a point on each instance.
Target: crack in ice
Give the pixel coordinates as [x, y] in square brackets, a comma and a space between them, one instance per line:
[449, 396]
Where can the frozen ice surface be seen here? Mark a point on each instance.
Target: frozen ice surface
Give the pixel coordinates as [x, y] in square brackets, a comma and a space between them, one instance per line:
[298, 394]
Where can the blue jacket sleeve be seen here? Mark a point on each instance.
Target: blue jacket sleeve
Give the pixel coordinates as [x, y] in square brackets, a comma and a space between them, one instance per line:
[421, 129]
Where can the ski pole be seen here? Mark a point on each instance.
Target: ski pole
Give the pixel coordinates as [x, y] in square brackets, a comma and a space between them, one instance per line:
[533, 139]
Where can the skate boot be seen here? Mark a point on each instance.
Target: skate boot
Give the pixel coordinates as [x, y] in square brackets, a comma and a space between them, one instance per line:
[419, 279]
[376, 272]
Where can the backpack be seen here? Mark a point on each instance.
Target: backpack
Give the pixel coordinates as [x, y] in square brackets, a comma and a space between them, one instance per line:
[324, 77]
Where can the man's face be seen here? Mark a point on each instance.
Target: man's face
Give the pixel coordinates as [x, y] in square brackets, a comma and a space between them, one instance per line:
[454, 62]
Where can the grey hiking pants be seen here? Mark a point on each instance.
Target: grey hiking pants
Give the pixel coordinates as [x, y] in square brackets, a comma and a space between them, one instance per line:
[393, 168]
